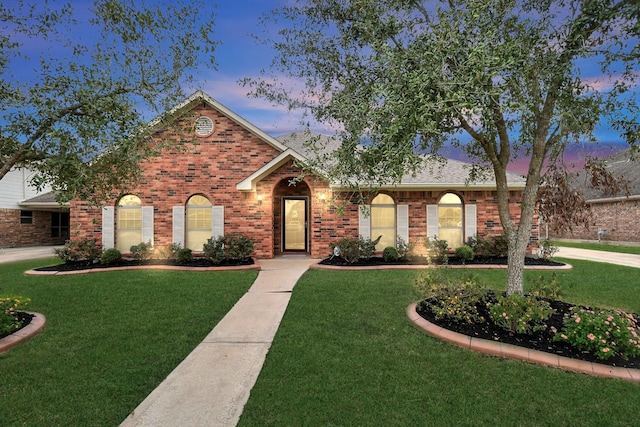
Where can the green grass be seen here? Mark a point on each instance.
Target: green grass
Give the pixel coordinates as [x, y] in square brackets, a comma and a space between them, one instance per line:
[346, 355]
[625, 249]
[110, 339]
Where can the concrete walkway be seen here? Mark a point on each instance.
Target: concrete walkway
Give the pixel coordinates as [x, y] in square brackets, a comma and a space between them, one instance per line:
[211, 386]
[628, 260]
[26, 253]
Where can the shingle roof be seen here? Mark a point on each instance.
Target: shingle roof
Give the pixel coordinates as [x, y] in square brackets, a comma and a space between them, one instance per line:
[621, 164]
[453, 173]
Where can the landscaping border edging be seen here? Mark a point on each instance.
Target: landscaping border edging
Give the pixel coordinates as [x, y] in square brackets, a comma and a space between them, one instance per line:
[519, 353]
[35, 326]
[319, 266]
[254, 266]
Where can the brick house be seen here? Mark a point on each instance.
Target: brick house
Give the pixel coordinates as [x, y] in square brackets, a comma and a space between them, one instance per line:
[613, 218]
[27, 216]
[237, 179]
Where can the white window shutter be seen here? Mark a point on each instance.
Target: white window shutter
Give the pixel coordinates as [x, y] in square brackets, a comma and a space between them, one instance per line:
[364, 221]
[147, 224]
[217, 221]
[432, 221]
[178, 225]
[470, 221]
[108, 227]
[403, 222]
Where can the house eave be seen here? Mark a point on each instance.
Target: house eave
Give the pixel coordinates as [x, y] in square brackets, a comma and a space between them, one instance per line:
[45, 206]
[249, 183]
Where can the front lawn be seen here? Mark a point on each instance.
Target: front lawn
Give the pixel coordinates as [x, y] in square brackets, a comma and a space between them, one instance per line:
[345, 354]
[110, 339]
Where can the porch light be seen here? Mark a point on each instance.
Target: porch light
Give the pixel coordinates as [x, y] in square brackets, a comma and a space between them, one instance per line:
[323, 197]
[259, 199]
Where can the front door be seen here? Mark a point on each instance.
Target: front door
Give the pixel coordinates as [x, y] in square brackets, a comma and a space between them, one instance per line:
[295, 224]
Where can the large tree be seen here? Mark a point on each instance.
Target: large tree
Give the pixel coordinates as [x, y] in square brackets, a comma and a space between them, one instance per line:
[78, 82]
[499, 78]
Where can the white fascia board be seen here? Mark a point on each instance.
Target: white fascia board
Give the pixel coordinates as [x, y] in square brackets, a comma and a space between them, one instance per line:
[438, 186]
[249, 183]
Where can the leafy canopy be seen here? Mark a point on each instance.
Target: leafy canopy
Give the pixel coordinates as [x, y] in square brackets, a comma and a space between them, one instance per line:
[78, 83]
[498, 78]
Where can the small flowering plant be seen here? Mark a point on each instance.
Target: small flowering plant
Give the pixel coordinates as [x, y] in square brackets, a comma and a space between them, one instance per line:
[520, 314]
[9, 320]
[605, 333]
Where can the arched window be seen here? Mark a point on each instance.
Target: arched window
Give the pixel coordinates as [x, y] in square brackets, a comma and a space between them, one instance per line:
[199, 224]
[450, 223]
[129, 222]
[383, 221]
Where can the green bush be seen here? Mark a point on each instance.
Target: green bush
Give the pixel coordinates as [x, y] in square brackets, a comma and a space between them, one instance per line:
[238, 246]
[9, 320]
[110, 256]
[547, 249]
[390, 254]
[544, 288]
[492, 246]
[437, 249]
[169, 251]
[465, 253]
[79, 250]
[141, 251]
[520, 314]
[232, 247]
[404, 249]
[213, 250]
[605, 333]
[352, 250]
[455, 301]
[184, 256]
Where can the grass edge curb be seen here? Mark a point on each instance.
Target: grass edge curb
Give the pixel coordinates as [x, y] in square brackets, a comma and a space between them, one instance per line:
[34, 327]
[518, 353]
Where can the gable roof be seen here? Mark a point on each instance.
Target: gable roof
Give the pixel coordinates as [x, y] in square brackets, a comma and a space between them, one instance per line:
[452, 174]
[622, 164]
[199, 96]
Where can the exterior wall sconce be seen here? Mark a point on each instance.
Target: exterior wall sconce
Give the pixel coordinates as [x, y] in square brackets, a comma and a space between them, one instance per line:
[323, 197]
[259, 199]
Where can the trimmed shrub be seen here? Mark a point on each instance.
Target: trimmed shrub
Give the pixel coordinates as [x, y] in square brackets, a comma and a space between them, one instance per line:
[232, 247]
[520, 314]
[465, 253]
[349, 249]
[9, 320]
[184, 256]
[390, 254]
[437, 249]
[141, 251]
[605, 333]
[110, 256]
[169, 251]
[404, 249]
[79, 250]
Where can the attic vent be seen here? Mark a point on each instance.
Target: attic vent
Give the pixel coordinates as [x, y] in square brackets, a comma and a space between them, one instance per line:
[204, 126]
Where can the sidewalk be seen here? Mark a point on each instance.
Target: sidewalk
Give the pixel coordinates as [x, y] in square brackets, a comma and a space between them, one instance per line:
[211, 386]
[26, 253]
[628, 260]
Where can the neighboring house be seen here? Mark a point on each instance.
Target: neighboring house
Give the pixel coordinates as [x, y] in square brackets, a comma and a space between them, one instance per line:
[29, 217]
[614, 218]
[237, 179]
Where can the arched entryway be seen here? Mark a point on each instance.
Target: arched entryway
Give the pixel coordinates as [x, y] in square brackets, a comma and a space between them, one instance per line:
[291, 216]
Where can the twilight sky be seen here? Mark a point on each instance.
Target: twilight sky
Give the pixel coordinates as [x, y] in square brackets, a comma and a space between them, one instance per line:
[240, 56]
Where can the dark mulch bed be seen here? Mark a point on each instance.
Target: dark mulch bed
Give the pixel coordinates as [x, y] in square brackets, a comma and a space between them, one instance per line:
[195, 263]
[25, 318]
[453, 260]
[542, 340]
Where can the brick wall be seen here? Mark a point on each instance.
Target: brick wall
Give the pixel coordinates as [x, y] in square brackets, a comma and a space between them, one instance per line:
[12, 233]
[217, 163]
[620, 221]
